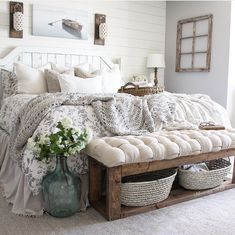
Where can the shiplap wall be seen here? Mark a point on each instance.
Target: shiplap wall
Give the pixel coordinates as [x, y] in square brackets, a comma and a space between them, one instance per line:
[135, 29]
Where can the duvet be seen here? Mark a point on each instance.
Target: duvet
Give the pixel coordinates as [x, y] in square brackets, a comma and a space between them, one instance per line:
[23, 116]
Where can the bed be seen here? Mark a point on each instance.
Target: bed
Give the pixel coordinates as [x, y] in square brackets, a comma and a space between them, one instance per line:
[26, 115]
[15, 182]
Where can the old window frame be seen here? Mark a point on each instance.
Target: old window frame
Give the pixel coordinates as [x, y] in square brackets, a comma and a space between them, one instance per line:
[194, 37]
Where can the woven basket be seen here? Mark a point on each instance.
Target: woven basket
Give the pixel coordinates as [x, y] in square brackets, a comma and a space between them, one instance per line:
[148, 188]
[218, 170]
[135, 90]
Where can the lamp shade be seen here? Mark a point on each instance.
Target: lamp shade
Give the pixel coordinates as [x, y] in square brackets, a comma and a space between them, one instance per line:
[155, 61]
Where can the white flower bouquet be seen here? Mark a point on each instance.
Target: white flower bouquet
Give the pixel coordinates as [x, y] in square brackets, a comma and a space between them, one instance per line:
[67, 141]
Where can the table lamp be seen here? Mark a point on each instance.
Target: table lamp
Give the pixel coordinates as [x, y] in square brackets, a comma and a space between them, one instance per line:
[155, 61]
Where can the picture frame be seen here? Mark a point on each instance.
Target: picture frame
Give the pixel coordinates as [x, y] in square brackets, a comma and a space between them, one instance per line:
[193, 46]
[60, 22]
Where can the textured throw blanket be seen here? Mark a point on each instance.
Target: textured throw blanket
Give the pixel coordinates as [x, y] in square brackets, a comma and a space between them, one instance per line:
[120, 114]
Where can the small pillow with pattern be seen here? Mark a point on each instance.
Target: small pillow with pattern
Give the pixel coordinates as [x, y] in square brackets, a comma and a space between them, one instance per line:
[9, 83]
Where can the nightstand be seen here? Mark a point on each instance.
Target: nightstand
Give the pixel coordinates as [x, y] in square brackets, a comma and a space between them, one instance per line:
[136, 90]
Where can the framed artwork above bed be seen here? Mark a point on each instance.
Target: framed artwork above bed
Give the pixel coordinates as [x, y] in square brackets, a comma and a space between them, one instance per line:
[61, 23]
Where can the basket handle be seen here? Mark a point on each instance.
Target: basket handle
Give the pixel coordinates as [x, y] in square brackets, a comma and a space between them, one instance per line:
[130, 84]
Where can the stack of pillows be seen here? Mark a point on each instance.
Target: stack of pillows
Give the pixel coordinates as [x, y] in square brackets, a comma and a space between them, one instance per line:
[55, 78]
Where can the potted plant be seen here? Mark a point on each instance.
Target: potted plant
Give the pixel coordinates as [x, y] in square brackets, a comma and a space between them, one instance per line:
[61, 189]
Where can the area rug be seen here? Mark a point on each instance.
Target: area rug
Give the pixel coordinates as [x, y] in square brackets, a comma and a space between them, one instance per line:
[211, 215]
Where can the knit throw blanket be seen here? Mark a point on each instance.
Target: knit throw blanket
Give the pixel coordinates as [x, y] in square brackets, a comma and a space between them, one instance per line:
[121, 114]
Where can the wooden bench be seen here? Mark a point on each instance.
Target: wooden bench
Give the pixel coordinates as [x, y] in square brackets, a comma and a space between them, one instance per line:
[105, 184]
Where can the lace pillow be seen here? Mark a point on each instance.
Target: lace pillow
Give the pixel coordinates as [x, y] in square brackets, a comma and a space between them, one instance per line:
[53, 84]
[9, 83]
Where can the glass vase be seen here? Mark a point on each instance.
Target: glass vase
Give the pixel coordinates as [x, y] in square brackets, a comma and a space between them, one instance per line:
[61, 190]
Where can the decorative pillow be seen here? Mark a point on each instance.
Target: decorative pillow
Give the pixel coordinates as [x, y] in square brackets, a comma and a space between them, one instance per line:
[85, 70]
[84, 66]
[80, 85]
[30, 80]
[60, 68]
[53, 84]
[111, 79]
[79, 72]
[9, 83]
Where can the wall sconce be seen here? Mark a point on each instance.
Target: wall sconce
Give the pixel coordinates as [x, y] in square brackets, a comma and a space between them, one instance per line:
[100, 29]
[16, 19]
[103, 31]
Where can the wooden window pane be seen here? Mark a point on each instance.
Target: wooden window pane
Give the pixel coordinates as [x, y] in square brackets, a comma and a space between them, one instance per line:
[202, 27]
[187, 30]
[200, 60]
[186, 61]
[193, 49]
[201, 44]
[186, 45]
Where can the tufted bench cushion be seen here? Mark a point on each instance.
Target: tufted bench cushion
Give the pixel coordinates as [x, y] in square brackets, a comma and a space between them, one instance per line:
[164, 145]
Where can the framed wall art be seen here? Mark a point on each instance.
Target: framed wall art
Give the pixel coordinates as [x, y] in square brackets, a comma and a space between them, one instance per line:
[62, 23]
[193, 47]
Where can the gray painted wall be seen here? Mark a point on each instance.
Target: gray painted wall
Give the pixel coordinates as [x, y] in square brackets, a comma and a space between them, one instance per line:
[215, 82]
[231, 83]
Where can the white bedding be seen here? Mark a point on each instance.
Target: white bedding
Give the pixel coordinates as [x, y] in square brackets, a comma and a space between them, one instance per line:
[10, 109]
[190, 110]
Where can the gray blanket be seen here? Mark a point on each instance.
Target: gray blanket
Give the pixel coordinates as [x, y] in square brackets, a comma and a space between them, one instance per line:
[121, 114]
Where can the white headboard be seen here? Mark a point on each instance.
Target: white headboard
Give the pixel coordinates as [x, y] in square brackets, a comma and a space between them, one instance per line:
[39, 56]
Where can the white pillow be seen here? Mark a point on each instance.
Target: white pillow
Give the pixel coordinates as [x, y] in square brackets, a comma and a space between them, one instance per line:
[30, 80]
[80, 85]
[111, 79]
[60, 68]
[84, 67]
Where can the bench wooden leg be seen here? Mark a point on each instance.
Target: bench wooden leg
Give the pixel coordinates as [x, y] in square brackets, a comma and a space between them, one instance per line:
[94, 180]
[113, 193]
[233, 174]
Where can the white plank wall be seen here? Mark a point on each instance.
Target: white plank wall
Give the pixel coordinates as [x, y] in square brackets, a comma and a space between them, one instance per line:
[135, 29]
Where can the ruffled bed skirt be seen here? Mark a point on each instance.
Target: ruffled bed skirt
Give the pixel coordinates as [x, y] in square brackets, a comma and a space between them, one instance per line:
[15, 187]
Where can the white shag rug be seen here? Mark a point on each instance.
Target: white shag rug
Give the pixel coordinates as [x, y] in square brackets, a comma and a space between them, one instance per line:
[211, 215]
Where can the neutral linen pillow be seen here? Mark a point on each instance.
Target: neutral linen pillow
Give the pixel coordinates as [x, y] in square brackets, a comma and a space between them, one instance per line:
[60, 68]
[30, 80]
[111, 80]
[80, 85]
[79, 72]
[85, 70]
[84, 66]
[51, 77]
[9, 83]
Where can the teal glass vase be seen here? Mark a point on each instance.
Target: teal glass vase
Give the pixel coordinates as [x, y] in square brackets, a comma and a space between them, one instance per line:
[61, 190]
